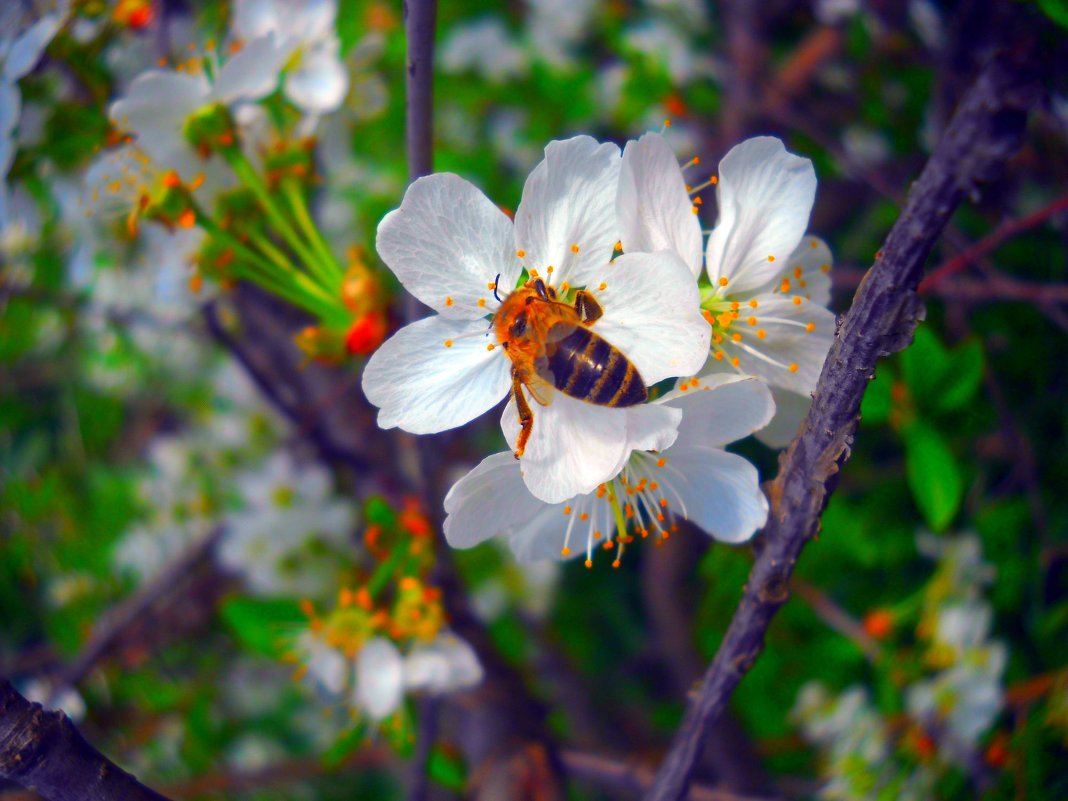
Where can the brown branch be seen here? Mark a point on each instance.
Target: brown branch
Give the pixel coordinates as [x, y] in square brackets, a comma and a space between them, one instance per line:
[420, 17]
[986, 130]
[630, 779]
[43, 752]
[991, 242]
[126, 613]
[836, 617]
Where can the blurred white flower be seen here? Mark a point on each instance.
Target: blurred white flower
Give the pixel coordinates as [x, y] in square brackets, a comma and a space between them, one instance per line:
[315, 78]
[485, 47]
[39, 691]
[556, 27]
[443, 665]
[379, 687]
[284, 540]
[325, 667]
[668, 46]
[159, 103]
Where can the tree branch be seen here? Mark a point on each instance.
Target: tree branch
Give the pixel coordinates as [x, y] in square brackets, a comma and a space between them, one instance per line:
[986, 130]
[420, 17]
[43, 752]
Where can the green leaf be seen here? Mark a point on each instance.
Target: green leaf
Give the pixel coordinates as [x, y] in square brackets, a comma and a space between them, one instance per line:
[961, 380]
[447, 770]
[1056, 10]
[878, 397]
[933, 475]
[924, 365]
[263, 625]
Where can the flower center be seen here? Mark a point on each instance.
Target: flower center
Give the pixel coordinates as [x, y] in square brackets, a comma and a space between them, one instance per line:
[636, 503]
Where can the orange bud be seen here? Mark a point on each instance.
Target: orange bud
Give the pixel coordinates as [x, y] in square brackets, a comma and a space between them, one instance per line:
[366, 334]
[879, 623]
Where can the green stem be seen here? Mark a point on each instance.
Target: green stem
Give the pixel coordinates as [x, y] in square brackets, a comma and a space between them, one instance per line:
[386, 569]
[270, 277]
[299, 207]
[248, 175]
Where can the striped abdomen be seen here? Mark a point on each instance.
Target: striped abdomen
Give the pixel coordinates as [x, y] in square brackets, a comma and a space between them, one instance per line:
[585, 366]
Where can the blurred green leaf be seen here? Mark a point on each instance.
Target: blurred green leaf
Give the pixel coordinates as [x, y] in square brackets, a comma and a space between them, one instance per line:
[878, 397]
[962, 378]
[933, 475]
[1056, 10]
[448, 771]
[924, 365]
[262, 625]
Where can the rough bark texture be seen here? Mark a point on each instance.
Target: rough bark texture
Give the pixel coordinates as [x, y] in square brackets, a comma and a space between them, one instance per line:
[985, 132]
[42, 751]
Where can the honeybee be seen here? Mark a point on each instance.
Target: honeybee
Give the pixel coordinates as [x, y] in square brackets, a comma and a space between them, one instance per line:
[552, 348]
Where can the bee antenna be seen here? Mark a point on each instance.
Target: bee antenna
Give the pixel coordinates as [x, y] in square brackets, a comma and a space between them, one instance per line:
[495, 282]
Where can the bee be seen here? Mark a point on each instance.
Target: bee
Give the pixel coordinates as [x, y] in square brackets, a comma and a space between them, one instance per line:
[552, 348]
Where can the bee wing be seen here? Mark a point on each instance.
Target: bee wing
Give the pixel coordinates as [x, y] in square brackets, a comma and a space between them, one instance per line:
[541, 386]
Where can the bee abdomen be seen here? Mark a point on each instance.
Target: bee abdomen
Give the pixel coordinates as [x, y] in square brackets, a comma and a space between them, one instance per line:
[586, 367]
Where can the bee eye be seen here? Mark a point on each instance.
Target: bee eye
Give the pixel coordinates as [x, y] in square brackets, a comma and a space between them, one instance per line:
[519, 326]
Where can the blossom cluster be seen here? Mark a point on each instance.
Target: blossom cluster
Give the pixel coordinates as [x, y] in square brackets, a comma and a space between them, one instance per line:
[738, 325]
[952, 695]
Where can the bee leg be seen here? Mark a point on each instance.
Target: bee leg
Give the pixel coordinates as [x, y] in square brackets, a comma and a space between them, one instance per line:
[589, 310]
[526, 416]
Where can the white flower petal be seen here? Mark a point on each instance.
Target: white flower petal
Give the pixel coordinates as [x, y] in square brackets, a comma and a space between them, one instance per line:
[765, 196]
[490, 500]
[568, 201]
[720, 490]
[652, 314]
[254, 18]
[655, 210]
[446, 243]
[442, 665]
[423, 386]
[251, 73]
[574, 446]
[27, 48]
[787, 342]
[790, 410]
[651, 427]
[720, 408]
[319, 84]
[379, 678]
[155, 109]
[813, 258]
[542, 536]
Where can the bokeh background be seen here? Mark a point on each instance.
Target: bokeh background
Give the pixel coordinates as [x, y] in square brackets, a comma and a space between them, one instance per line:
[186, 488]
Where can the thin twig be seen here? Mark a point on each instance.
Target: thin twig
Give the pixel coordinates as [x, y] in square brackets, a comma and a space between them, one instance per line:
[117, 620]
[43, 751]
[420, 17]
[630, 779]
[837, 618]
[991, 242]
[986, 130]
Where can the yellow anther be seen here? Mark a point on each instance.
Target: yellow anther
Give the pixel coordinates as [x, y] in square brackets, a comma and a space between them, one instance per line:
[575, 248]
[490, 346]
[751, 320]
[694, 209]
[619, 246]
[735, 305]
[723, 280]
[714, 180]
[771, 258]
[565, 551]
[718, 355]
[448, 300]
[522, 254]
[810, 327]
[717, 337]
[798, 272]
[603, 286]
[567, 510]
[661, 462]
[735, 362]
[736, 337]
[797, 300]
[761, 333]
[584, 516]
[589, 563]
[754, 303]
[482, 303]
[793, 367]
[564, 287]
[663, 503]
[825, 268]
[784, 287]
[448, 343]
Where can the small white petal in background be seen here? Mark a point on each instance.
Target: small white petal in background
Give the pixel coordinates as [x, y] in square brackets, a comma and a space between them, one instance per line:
[379, 678]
